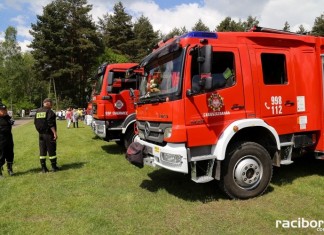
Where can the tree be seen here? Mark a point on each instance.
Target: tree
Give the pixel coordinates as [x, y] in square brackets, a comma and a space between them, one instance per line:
[11, 73]
[301, 29]
[66, 46]
[250, 23]
[229, 25]
[175, 32]
[117, 31]
[145, 38]
[200, 26]
[286, 28]
[318, 28]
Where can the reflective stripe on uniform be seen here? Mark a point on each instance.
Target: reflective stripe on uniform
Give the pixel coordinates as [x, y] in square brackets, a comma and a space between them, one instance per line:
[41, 115]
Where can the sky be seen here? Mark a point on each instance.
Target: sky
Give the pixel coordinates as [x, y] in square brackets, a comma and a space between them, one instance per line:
[165, 15]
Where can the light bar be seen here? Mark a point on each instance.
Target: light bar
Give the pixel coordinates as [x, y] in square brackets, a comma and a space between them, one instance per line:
[199, 34]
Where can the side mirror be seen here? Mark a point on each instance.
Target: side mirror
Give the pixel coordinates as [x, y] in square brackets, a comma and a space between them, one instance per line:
[131, 92]
[110, 78]
[129, 73]
[110, 81]
[205, 59]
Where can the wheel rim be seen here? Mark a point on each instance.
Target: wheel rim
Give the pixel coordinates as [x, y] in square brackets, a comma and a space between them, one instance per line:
[248, 172]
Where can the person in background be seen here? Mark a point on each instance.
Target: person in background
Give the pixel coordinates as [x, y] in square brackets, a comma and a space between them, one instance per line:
[45, 123]
[75, 118]
[6, 140]
[68, 117]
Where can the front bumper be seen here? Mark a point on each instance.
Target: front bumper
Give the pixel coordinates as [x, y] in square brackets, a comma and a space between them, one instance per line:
[171, 156]
[99, 128]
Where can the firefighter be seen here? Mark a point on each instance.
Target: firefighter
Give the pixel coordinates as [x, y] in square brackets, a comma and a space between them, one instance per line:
[6, 140]
[45, 123]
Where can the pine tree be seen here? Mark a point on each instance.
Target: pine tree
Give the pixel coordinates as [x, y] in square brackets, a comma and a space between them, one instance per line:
[301, 29]
[117, 31]
[318, 28]
[250, 23]
[145, 38]
[175, 32]
[200, 26]
[286, 28]
[229, 25]
[65, 46]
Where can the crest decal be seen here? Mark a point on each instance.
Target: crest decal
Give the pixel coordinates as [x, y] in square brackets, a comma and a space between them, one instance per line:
[215, 102]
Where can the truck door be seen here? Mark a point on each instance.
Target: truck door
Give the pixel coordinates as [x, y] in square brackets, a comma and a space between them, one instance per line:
[209, 112]
[276, 87]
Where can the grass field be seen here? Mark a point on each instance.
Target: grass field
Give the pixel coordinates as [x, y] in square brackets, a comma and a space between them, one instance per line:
[99, 192]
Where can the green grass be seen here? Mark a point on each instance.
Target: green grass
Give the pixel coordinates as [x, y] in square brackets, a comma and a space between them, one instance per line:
[99, 192]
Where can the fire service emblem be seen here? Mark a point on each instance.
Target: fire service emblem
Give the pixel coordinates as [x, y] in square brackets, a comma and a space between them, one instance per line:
[215, 102]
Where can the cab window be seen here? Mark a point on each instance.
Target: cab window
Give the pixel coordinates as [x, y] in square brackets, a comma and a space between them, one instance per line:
[274, 69]
[222, 72]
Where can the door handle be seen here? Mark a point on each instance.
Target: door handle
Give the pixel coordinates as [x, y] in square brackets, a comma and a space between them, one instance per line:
[237, 107]
[289, 103]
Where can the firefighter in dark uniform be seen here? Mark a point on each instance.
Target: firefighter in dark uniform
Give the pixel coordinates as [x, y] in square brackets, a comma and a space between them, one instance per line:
[45, 123]
[6, 140]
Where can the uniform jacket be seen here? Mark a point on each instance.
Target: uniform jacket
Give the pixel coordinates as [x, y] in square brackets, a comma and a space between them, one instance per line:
[5, 130]
[44, 120]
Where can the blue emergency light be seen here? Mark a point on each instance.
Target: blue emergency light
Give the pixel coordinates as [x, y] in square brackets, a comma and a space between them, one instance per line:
[199, 34]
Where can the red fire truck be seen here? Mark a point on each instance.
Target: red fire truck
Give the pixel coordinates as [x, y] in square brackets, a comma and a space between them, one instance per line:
[112, 108]
[230, 105]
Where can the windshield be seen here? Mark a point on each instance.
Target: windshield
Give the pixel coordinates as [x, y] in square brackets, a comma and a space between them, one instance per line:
[162, 78]
[98, 84]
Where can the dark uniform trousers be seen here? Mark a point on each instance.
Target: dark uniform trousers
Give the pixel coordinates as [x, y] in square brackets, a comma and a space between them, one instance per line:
[47, 145]
[6, 141]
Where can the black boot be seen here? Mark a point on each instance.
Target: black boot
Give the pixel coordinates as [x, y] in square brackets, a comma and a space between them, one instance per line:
[1, 176]
[43, 165]
[54, 166]
[9, 166]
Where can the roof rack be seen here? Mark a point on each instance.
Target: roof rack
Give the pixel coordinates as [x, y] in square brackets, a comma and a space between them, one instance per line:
[269, 30]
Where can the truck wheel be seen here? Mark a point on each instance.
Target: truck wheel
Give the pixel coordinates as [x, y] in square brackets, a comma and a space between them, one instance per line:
[129, 137]
[246, 171]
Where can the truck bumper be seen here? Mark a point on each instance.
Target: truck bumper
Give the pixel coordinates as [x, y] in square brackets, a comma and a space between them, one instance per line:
[171, 156]
[99, 128]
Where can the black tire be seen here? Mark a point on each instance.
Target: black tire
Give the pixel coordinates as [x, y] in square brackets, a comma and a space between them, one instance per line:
[129, 137]
[246, 171]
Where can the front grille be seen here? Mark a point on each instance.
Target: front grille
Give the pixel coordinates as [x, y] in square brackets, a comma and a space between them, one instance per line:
[152, 131]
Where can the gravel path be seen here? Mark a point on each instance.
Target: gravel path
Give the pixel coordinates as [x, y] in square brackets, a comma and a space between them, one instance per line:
[22, 121]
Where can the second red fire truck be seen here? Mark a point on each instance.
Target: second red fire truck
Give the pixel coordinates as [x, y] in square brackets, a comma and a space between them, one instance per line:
[112, 108]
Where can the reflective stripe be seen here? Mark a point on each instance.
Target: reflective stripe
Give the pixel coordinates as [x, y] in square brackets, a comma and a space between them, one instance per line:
[42, 157]
[52, 157]
[41, 115]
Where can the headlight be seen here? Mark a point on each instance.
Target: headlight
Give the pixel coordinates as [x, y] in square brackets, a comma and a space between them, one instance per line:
[173, 159]
[167, 132]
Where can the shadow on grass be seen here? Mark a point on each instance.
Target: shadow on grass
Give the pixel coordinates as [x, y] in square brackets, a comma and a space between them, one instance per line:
[64, 167]
[113, 149]
[302, 167]
[181, 186]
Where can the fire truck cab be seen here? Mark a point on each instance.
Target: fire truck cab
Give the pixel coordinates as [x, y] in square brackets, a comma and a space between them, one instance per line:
[113, 110]
[230, 105]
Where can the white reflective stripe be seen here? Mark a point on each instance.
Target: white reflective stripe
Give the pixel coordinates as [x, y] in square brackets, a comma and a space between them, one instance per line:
[52, 157]
[219, 149]
[42, 157]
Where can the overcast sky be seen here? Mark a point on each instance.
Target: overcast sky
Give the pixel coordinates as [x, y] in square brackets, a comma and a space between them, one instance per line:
[164, 15]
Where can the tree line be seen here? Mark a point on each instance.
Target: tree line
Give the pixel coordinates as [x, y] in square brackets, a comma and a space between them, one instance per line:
[68, 46]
